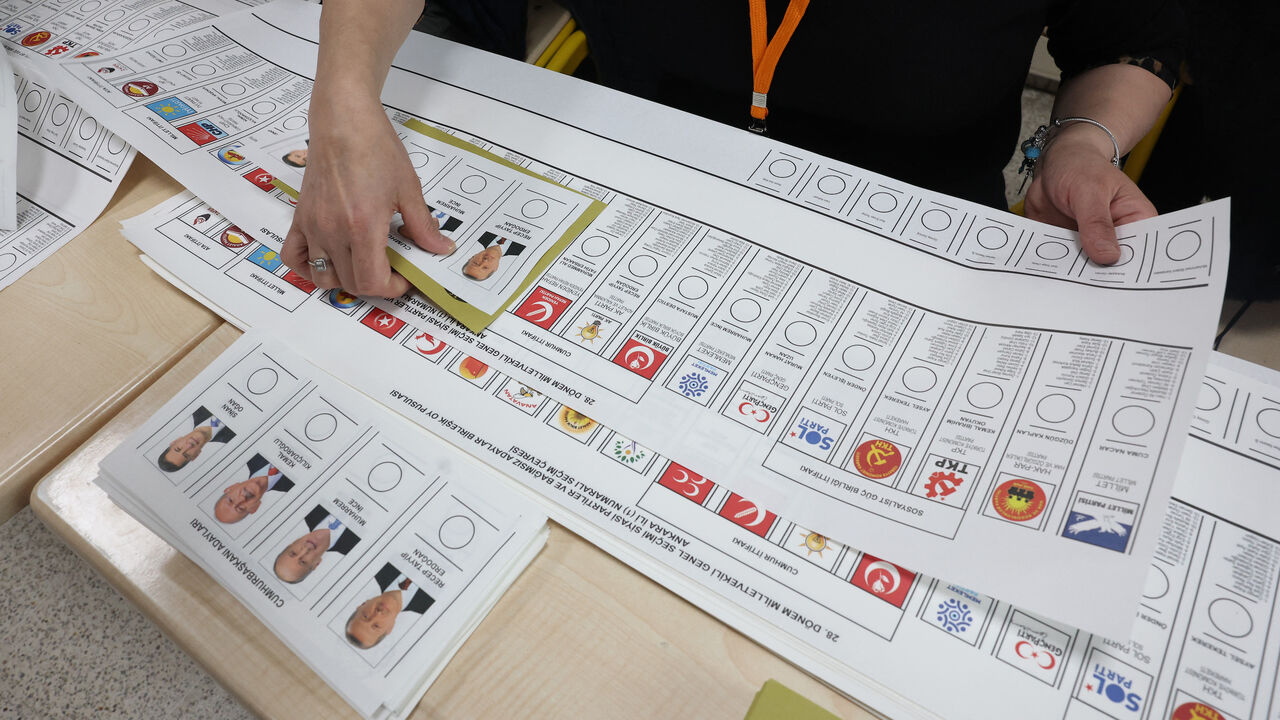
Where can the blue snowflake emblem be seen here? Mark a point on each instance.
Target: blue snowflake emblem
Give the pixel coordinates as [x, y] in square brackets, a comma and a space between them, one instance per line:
[954, 616]
[693, 385]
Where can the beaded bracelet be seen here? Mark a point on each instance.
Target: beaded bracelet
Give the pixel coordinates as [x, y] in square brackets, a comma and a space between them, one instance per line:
[1033, 146]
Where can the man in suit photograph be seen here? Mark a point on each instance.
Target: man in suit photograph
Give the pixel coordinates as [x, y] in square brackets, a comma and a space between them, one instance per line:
[242, 499]
[375, 618]
[205, 428]
[304, 555]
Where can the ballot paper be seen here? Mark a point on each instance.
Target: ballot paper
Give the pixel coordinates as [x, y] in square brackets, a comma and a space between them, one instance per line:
[369, 548]
[904, 643]
[8, 146]
[71, 164]
[882, 378]
[70, 167]
[507, 222]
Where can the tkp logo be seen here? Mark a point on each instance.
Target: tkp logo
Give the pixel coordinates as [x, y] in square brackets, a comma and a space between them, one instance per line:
[883, 579]
[640, 358]
[542, 307]
[747, 514]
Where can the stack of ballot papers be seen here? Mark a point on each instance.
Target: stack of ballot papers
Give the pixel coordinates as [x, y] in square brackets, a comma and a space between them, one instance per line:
[369, 548]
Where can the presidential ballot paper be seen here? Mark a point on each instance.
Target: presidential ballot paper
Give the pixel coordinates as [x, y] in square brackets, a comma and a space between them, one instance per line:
[903, 643]
[924, 378]
[8, 145]
[369, 548]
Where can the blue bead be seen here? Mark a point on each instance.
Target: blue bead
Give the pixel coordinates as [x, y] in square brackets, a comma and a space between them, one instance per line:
[1033, 152]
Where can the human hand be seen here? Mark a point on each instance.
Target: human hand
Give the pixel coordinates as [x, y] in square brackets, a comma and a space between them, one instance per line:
[1077, 187]
[358, 175]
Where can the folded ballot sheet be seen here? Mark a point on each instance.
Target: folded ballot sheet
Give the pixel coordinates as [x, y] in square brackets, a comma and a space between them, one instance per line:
[368, 547]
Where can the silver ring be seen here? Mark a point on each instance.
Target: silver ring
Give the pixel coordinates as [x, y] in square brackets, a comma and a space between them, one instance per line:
[319, 264]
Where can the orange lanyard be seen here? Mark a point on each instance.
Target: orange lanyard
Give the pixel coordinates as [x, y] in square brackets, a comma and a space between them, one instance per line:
[765, 54]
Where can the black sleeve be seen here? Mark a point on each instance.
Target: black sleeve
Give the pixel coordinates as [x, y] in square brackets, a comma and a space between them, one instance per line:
[199, 416]
[386, 576]
[1085, 34]
[256, 463]
[283, 485]
[346, 541]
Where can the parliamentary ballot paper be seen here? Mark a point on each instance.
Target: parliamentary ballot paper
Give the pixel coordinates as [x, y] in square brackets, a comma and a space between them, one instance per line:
[904, 643]
[366, 546]
[951, 387]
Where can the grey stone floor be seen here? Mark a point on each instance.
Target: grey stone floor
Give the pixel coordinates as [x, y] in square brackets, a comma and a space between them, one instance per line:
[70, 647]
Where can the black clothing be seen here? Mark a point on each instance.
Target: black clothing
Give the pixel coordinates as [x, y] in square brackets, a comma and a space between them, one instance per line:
[420, 601]
[346, 540]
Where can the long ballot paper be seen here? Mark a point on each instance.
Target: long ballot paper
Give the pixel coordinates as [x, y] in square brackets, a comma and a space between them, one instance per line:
[955, 386]
[71, 164]
[905, 644]
[369, 549]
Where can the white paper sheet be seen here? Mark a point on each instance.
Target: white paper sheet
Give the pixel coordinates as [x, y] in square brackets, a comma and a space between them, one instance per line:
[307, 499]
[889, 394]
[905, 644]
[8, 146]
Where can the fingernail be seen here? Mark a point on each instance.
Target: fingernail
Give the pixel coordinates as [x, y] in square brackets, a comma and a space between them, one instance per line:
[450, 248]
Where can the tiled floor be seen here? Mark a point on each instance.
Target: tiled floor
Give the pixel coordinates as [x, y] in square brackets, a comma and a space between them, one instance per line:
[70, 647]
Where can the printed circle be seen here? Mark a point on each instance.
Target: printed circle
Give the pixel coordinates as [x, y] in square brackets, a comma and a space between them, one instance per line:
[800, 333]
[919, 379]
[1209, 398]
[7, 261]
[1230, 617]
[32, 101]
[204, 70]
[1268, 420]
[262, 381]
[294, 122]
[595, 246]
[174, 51]
[228, 88]
[1126, 254]
[858, 357]
[113, 15]
[882, 202]
[831, 185]
[473, 184]
[1052, 250]
[782, 168]
[993, 237]
[141, 24]
[1055, 408]
[1183, 246]
[692, 287]
[535, 209]
[385, 476]
[321, 427]
[419, 160]
[744, 310]
[457, 532]
[642, 266]
[263, 107]
[60, 114]
[88, 128]
[1157, 584]
[1133, 421]
[90, 6]
[115, 144]
[936, 220]
[985, 395]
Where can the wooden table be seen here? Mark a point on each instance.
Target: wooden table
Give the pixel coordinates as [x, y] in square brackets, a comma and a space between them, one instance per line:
[84, 332]
[578, 635]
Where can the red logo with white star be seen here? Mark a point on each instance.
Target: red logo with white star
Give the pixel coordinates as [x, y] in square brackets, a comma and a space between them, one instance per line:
[640, 358]
[686, 482]
[883, 579]
[542, 307]
[748, 514]
[261, 178]
[382, 321]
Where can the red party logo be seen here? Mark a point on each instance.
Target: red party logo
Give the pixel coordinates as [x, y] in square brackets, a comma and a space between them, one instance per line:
[36, 38]
[542, 307]
[428, 345]
[877, 459]
[382, 321]
[688, 483]
[140, 88]
[748, 514]
[234, 238]
[299, 282]
[883, 579]
[640, 358]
